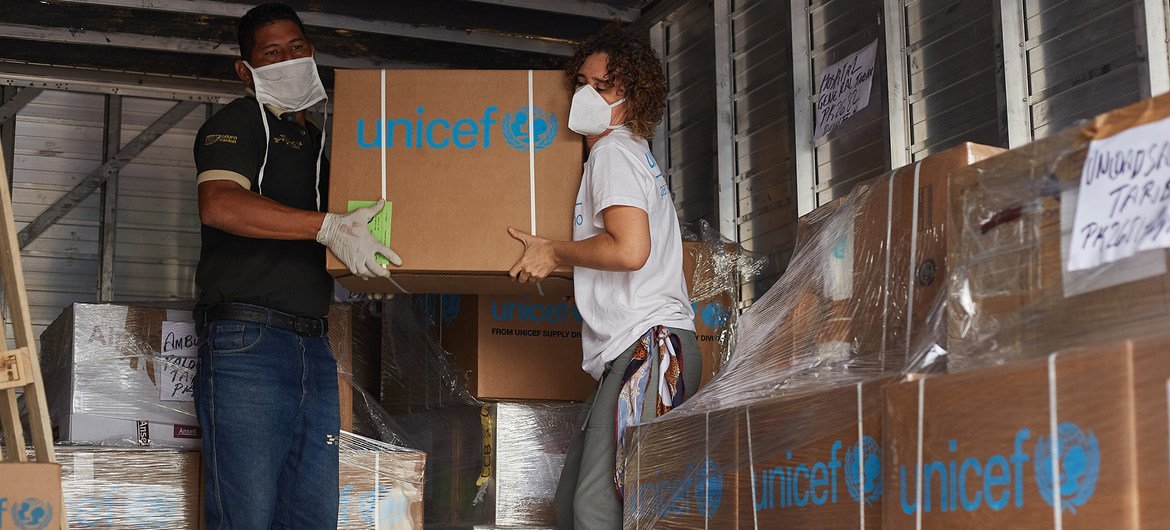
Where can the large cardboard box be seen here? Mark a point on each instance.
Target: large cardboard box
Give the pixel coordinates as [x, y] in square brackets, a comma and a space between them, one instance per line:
[142, 489]
[114, 371]
[30, 495]
[381, 485]
[1151, 368]
[816, 458]
[975, 449]
[882, 255]
[688, 472]
[1013, 217]
[460, 167]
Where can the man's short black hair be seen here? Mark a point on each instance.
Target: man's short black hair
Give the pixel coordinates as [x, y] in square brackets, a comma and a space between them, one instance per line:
[258, 17]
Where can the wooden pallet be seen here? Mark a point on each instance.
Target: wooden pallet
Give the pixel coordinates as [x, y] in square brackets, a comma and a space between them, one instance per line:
[20, 368]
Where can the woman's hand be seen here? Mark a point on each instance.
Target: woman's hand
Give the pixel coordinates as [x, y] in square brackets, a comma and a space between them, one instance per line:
[538, 261]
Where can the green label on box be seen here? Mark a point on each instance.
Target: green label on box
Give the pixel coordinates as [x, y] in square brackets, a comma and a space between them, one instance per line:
[379, 225]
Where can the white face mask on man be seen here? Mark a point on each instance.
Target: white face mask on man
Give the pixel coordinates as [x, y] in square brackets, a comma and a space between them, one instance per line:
[590, 114]
[292, 85]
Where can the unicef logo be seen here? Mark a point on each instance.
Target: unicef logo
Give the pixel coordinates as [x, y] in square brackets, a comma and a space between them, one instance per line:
[32, 514]
[424, 309]
[1080, 463]
[708, 488]
[714, 315]
[544, 128]
[871, 464]
[450, 306]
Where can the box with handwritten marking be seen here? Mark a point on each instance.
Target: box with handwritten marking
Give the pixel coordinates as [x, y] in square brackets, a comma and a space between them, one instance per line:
[119, 374]
[1015, 219]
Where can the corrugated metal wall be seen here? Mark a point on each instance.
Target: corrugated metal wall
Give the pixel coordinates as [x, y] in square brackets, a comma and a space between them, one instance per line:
[953, 91]
[59, 140]
[761, 94]
[858, 148]
[1081, 58]
[687, 49]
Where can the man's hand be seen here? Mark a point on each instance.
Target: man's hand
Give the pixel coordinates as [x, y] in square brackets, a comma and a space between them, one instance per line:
[538, 260]
[350, 239]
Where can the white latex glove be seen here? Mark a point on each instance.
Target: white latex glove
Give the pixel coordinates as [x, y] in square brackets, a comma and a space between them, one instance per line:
[349, 238]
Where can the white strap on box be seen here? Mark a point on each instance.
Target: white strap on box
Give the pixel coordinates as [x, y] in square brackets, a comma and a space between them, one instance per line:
[886, 269]
[385, 139]
[911, 280]
[532, 168]
[1054, 445]
[861, 456]
[752, 468]
[918, 466]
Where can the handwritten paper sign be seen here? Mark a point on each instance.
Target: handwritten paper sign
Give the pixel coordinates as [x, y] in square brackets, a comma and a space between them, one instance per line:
[843, 89]
[177, 361]
[1124, 198]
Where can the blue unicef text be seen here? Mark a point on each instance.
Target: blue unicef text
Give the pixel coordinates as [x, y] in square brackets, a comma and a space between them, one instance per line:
[436, 133]
[530, 311]
[997, 482]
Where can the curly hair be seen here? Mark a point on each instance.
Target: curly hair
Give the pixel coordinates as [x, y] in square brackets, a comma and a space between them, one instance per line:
[632, 65]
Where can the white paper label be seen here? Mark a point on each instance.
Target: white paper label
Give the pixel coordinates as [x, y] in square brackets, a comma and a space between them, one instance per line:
[177, 361]
[843, 89]
[1124, 197]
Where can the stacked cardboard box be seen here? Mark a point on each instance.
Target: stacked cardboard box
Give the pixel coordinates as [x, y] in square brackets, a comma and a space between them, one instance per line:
[789, 434]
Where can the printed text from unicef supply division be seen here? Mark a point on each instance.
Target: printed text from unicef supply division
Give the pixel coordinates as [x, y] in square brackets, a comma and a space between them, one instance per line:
[843, 89]
[957, 483]
[1124, 202]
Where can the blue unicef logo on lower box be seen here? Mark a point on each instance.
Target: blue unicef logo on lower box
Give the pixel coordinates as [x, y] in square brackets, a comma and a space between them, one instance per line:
[450, 304]
[1080, 465]
[715, 315]
[863, 471]
[709, 488]
[522, 133]
[697, 491]
[32, 514]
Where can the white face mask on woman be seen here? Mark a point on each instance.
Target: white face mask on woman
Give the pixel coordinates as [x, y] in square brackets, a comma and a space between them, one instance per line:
[590, 114]
[292, 85]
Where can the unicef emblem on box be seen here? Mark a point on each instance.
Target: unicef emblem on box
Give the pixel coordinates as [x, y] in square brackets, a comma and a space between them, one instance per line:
[708, 488]
[1079, 466]
[864, 458]
[520, 136]
[32, 514]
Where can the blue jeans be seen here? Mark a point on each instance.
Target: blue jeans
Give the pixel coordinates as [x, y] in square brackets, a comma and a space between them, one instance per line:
[267, 403]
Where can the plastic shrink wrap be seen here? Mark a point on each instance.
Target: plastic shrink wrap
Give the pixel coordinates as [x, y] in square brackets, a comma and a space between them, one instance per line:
[788, 433]
[1043, 401]
[119, 384]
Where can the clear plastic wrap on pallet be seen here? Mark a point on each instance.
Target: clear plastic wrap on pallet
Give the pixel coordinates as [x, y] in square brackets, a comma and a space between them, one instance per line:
[788, 433]
[531, 440]
[1042, 397]
[381, 485]
[122, 374]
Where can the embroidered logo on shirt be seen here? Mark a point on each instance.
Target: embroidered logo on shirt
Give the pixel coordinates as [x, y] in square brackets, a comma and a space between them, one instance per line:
[284, 139]
[220, 138]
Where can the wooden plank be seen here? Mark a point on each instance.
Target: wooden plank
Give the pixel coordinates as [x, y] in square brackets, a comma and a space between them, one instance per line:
[10, 424]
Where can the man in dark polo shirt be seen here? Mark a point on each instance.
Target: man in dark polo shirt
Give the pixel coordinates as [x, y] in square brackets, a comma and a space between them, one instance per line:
[266, 389]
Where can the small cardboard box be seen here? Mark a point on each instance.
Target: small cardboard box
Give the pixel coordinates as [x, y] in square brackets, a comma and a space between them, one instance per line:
[688, 472]
[30, 495]
[459, 167]
[381, 485]
[142, 489]
[975, 449]
[813, 464]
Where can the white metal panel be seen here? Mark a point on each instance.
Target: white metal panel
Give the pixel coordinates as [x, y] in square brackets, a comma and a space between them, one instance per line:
[158, 217]
[952, 93]
[762, 134]
[690, 146]
[1081, 57]
[58, 142]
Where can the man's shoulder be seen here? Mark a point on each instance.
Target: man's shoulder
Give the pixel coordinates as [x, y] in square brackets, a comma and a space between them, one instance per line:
[241, 110]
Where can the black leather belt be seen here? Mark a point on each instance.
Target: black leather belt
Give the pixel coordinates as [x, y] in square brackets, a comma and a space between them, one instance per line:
[314, 327]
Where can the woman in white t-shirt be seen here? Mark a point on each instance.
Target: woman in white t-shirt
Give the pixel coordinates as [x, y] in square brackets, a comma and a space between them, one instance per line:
[626, 256]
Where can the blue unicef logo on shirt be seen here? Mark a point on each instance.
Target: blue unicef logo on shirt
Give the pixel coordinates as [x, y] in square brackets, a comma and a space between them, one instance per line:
[715, 315]
[542, 133]
[450, 305]
[32, 514]
[1080, 464]
[866, 458]
[708, 487]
